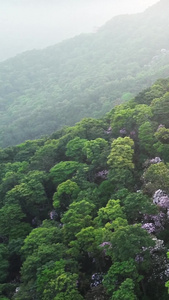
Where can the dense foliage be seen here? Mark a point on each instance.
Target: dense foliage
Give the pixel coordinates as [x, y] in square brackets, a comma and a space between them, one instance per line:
[41, 91]
[84, 214]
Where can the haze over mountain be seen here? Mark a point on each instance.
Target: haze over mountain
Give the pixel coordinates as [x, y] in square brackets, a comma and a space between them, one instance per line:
[41, 91]
[26, 25]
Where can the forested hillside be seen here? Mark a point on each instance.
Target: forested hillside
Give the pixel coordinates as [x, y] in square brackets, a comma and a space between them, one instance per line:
[41, 91]
[84, 213]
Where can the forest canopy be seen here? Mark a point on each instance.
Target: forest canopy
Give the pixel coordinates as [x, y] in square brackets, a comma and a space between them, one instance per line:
[84, 212]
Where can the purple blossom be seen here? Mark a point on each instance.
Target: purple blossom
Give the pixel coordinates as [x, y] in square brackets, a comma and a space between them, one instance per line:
[139, 258]
[158, 221]
[17, 289]
[160, 126]
[109, 130]
[155, 160]
[161, 266]
[105, 244]
[103, 174]
[53, 214]
[97, 279]
[132, 134]
[167, 271]
[150, 227]
[34, 221]
[160, 218]
[123, 132]
[159, 244]
[167, 213]
[161, 199]
[164, 202]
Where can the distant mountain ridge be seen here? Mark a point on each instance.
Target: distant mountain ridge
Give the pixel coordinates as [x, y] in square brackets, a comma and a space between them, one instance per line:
[44, 90]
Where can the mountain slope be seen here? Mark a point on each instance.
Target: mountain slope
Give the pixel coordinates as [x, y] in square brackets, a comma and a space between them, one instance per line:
[84, 212]
[41, 91]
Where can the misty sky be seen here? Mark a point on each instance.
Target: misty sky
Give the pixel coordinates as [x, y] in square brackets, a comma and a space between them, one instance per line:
[33, 24]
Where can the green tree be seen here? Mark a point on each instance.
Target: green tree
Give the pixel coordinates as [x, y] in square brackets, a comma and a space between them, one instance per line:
[91, 128]
[11, 222]
[121, 154]
[156, 177]
[65, 170]
[160, 109]
[142, 113]
[136, 205]
[78, 216]
[162, 135]
[27, 149]
[42, 246]
[126, 291]
[162, 150]
[116, 276]
[96, 151]
[46, 156]
[112, 211]
[66, 192]
[74, 149]
[8, 182]
[146, 139]
[56, 283]
[120, 162]
[129, 241]
[47, 234]
[30, 194]
[86, 244]
[4, 263]
[122, 118]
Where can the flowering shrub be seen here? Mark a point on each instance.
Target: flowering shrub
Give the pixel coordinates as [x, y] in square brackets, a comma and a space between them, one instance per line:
[161, 199]
[102, 174]
[97, 279]
[155, 160]
[150, 227]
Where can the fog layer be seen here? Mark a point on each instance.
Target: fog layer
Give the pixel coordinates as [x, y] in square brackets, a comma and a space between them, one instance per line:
[26, 25]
